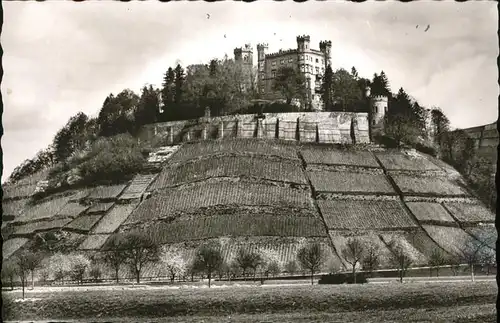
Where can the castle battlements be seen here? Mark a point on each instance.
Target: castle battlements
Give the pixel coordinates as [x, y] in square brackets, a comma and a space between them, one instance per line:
[303, 38]
[380, 98]
[324, 44]
[281, 52]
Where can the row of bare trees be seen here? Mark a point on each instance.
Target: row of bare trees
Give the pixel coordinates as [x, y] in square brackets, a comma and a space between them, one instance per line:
[136, 251]
[369, 256]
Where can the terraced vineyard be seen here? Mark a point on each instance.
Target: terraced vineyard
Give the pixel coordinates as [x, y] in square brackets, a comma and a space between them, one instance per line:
[340, 239]
[230, 166]
[84, 223]
[428, 212]
[485, 233]
[114, 218]
[94, 242]
[422, 242]
[258, 195]
[30, 228]
[234, 225]
[280, 251]
[467, 213]
[450, 239]
[10, 246]
[137, 187]
[13, 208]
[347, 182]
[197, 197]
[235, 146]
[328, 156]
[100, 207]
[43, 210]
[400, 240]
[365, 215]
[427, 185]
[394, 160]
[72, 210]
[106, 192]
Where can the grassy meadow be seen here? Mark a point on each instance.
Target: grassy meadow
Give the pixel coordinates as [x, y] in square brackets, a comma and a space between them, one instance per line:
[450, 302]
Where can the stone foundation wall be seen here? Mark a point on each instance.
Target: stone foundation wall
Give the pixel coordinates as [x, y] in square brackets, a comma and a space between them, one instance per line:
[321, 127]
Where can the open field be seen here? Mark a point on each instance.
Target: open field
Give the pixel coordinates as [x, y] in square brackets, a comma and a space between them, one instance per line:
[459, 302]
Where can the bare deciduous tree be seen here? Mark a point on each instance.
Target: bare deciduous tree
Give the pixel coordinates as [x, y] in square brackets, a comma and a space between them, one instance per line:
[208, 260]
[248, 260]
[173, 262]
[311, 257]
[115, 256]
[401, 258]
[139, 250]
[291, 267]
[437, 259]
[354, 253]
[371, 261]
[471, 253]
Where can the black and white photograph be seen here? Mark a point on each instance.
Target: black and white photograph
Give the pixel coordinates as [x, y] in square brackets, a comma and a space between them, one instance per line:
[265, 161]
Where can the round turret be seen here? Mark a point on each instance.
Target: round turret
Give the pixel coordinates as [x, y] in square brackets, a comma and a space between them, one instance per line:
[380, 104]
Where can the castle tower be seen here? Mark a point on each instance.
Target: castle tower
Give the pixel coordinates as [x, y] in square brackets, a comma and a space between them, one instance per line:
[244, 55]
[261, 65]
[379, 106]
[326, 48]
[303, 43]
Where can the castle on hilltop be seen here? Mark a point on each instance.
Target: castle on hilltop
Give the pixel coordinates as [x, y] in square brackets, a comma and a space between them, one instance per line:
[310, 62]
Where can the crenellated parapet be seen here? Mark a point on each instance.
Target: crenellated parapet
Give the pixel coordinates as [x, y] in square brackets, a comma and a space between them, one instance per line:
[281, 53]
[323, 45]
[303, 38]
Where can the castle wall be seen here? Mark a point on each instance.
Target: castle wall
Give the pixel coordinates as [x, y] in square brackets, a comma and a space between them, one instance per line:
[322, 127]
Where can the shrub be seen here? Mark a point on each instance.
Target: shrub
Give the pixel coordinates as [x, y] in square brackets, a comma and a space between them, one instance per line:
[112, 160]
[343, 278]
[426, 149]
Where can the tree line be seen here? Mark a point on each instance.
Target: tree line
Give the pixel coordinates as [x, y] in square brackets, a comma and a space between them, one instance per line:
[136, 251]
[369, 256]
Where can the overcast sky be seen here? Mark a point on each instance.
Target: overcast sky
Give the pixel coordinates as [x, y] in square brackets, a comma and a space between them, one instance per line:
[64, 57]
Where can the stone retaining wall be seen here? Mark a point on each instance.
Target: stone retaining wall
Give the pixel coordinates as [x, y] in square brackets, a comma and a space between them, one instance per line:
[321, 127]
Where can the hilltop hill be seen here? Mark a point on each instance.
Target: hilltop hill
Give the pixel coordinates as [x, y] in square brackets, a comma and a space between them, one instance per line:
[267, 195]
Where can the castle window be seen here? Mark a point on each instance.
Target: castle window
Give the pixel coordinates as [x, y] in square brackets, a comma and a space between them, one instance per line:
[373, 122]
[282, 62]
[273, 63]
[306, 46]
[290, 60]
[376, 109]
[273, 73]
[317, 69]
[317, 60]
